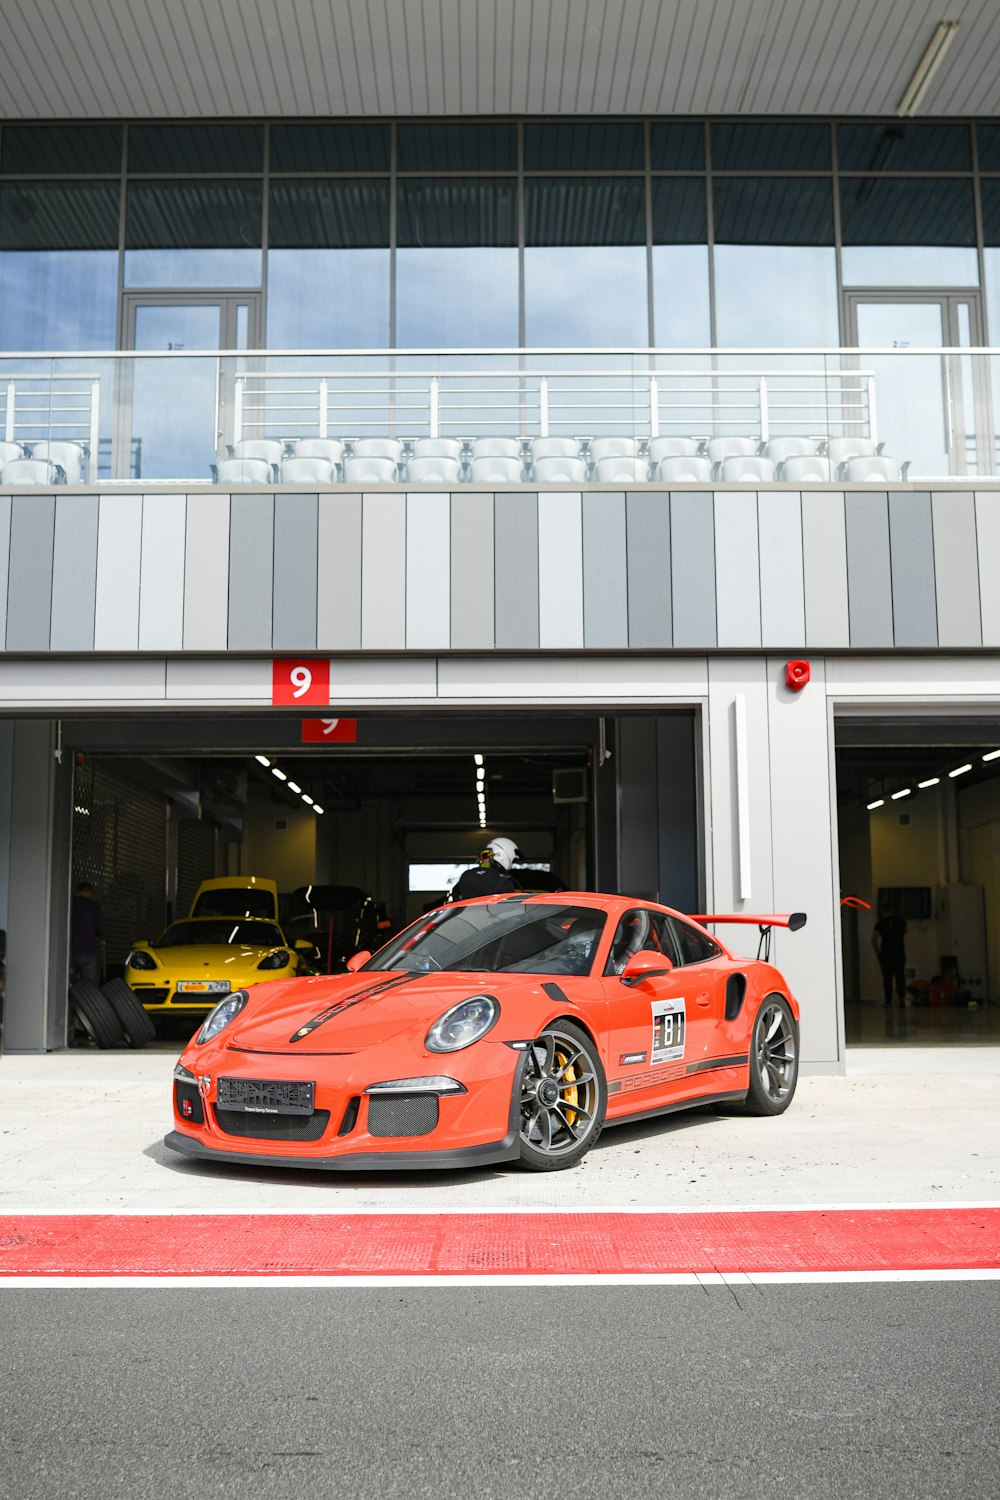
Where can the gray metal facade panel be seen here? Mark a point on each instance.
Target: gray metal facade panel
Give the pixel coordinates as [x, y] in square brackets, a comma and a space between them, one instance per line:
[988, 542]
[383, 572]
[428, 571]
[650, 593]
[74, 573]
[206, 573]
[5, 505]
[119, 558]
[251, 571]
[295, 564]
[161, 577]
[956, 568]
[824, 567]
[29, 586]
[737, 578]
[782, 581]
[515, 521]
[692, 570]
[869, 581]
[605, 572]
[472, 572]
[911, 552]
[560, 570]
[338, 600]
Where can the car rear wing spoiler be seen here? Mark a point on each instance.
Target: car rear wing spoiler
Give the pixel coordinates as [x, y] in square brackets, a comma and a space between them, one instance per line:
[793, 920]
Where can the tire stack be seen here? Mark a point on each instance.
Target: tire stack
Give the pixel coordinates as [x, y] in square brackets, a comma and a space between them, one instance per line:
[110, 1014]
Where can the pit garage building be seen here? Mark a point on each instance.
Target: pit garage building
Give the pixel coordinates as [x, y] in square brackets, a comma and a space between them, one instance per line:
[602, 396]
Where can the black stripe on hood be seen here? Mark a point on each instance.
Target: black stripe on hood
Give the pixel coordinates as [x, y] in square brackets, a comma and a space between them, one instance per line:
[343, 1005]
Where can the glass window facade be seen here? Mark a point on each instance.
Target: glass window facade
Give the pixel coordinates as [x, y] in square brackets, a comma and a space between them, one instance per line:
[477, 233]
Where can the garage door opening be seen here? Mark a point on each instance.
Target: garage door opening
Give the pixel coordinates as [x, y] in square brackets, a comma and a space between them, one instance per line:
[919, 838]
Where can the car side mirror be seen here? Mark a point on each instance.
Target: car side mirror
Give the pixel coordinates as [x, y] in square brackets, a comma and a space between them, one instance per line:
[303, 945]
[356, 960]
[646, 964]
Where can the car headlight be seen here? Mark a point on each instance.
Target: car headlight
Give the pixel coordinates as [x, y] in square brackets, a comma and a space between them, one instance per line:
[218, 1019]
[275, 960]
[464, 1024]
[139, 959]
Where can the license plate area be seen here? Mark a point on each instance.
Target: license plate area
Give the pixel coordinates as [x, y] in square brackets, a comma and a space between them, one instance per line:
[203, 986]
[266, 1096]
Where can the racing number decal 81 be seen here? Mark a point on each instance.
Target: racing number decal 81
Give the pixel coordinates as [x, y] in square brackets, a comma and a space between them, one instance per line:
[669, 1027]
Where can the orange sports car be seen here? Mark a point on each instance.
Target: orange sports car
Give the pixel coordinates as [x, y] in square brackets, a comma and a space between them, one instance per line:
[502, 1029]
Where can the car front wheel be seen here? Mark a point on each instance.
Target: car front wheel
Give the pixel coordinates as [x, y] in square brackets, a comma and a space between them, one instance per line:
[563, 1098]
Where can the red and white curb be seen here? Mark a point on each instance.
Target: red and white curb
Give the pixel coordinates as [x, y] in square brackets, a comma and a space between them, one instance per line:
[752, 1246]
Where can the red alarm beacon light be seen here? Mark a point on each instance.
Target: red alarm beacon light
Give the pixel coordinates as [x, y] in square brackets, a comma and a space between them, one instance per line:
[796, 675]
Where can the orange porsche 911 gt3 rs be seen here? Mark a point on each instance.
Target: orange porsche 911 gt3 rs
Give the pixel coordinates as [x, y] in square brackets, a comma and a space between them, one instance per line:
[501, 1029]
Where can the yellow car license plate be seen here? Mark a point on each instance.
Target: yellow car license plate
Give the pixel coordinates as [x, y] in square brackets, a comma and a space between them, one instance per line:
[203, 986]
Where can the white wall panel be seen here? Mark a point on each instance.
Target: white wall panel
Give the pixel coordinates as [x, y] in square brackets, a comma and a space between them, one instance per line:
[782, 599]
[560, 570]
[119, 556]
[988, 534]
[383, 572]
[737, 588]
[161, 574]
[428, 571]
[626, 679]
[206, 573]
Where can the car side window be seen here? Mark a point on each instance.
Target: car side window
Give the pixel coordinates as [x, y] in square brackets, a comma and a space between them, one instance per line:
[640, 928]
[693, 947]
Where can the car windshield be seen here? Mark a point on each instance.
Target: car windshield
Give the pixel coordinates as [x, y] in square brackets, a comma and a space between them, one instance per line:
[225, 930]
[498, 937]
[234, 901]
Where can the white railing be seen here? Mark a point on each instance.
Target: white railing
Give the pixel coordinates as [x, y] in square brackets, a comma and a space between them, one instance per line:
[53, 406]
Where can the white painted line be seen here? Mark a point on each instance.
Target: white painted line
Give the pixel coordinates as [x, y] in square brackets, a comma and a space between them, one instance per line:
[387, 1209]
[703, 1279]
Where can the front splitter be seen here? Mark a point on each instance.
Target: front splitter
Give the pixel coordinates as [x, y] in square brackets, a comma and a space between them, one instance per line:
[370, 1161]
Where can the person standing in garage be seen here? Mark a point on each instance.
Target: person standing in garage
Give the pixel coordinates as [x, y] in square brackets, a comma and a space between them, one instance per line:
[889, 942]
[87, 926]
[491, 877]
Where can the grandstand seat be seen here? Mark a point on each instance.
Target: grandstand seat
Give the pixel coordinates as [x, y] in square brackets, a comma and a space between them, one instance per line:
[308, 470]
[433, 469]
[684, 468]
[377, 447]
[621, 468]
[370, 469]
[9, 451]
[244, 471]
[32, 471]
[672, 447]
[438, 447]
[555, 447]
[612, 447]
[719, 448]
[780, 448]
[271, 450]
[68, 455]
[331, 448]
[809, 468]
[556, 468]
[871, 468]
[496, 468]
[496, 447]
[748, 468]
[839, 450]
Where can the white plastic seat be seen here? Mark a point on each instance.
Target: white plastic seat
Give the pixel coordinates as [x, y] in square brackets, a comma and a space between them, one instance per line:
[244, 471]
[370, 470]
[555, 447]
[377, 447]
[560, 468]
[612, 447]
[331, 448]
[31, 471]
[496, 468]
[746, 468]
[433, 469]
[621, 468]
[298, 470]
[814, 468]
[870, 467]
[272, 450]
[672, 447]
[685, 468]
[839, 450]
[496, 447]
[10, 451]
[719, 448]
[780, 448]
[437, 447]
[68, 455]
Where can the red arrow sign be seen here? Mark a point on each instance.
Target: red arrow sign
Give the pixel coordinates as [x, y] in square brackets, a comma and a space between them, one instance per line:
[329, 731]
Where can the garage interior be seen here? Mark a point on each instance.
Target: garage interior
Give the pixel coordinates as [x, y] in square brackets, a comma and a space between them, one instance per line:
[918, 800]
[156, 804]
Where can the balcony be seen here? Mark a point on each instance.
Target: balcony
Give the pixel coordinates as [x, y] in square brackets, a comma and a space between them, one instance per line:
[496, 419]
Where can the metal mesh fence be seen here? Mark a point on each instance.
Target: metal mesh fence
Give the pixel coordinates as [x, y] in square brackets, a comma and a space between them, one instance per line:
[195, 860]
[120, 847]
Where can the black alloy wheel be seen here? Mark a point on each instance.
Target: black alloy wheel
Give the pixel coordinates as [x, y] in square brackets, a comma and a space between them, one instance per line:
[774, 1058]
[563, 1098]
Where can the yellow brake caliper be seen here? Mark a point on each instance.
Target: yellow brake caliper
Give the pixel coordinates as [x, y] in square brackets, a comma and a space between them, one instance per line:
[569, 1093]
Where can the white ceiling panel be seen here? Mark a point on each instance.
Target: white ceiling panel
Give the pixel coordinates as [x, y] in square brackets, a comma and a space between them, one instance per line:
[172, 58]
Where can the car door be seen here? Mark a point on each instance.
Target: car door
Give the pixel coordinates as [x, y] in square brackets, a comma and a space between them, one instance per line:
[706, 970]
[657, 1026]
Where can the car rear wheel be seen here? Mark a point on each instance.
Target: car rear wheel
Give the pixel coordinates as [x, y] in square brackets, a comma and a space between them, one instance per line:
[136, 1024]
[95, 1014]
[563, 1098]
[774, 1059]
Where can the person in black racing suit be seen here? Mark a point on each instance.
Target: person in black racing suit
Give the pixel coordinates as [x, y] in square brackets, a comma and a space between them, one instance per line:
[491, 877]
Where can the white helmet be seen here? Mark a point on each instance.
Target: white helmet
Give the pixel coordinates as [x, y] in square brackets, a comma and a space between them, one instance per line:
[504, 852]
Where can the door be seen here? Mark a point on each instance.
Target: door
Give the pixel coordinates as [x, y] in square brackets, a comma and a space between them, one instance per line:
[932, 413]
[176, 414]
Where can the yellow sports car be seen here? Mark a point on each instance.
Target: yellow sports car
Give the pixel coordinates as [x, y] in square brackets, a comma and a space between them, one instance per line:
[196, 961]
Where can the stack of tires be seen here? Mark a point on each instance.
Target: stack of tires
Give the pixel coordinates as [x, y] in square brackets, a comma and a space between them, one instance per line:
[110, 1014]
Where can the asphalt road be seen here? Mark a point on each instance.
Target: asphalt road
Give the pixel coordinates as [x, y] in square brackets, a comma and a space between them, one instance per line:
[806, 1391]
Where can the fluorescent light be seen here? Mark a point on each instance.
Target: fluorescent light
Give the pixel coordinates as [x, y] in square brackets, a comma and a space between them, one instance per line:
[317, 808]
[904, 793]
[478, 759]
[992, 755]
[263, 760]
[480, 774]
[960, 770]
[293, 786]
[926, 68]
[879, 803]
[280, 774]
[931, 781]
[306, 798]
